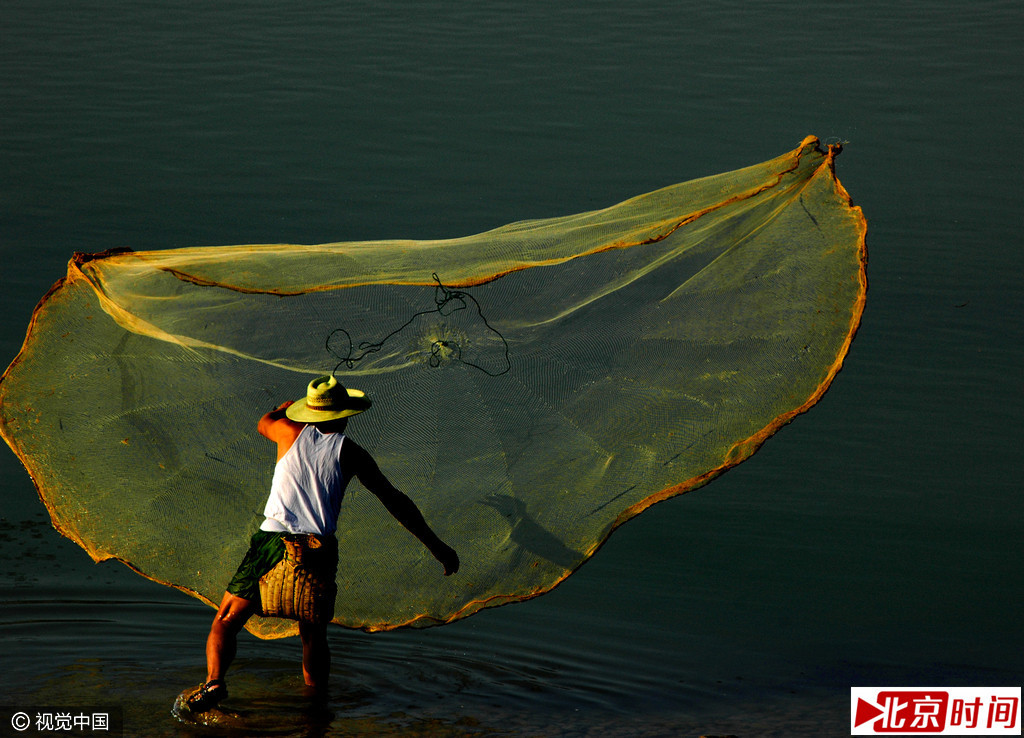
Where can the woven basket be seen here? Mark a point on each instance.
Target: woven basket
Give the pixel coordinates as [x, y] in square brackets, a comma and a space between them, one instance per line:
[301, 586]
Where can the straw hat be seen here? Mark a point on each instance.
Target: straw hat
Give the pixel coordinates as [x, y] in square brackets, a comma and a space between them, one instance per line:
[326, 399]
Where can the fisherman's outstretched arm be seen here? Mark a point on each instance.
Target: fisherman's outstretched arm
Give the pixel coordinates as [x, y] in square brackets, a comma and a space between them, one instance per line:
[398, 504]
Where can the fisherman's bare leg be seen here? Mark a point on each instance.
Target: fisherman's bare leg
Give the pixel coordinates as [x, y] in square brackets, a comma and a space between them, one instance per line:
[222, 642]
[316, 655]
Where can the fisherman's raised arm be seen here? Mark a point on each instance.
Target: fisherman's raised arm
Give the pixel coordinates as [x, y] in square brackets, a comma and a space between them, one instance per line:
[278, 428]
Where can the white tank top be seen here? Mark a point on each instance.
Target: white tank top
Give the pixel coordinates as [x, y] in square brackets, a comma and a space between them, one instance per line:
[305, 496]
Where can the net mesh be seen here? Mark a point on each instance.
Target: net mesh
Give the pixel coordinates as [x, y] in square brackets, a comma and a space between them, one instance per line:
[534, 386]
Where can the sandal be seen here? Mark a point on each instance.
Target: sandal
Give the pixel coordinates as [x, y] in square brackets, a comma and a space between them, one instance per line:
[207, 696]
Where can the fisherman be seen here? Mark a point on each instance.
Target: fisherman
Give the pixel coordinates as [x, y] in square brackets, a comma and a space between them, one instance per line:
[315, 461]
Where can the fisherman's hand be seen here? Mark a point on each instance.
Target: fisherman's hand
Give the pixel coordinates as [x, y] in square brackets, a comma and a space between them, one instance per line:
[279, 412]
[448, 558]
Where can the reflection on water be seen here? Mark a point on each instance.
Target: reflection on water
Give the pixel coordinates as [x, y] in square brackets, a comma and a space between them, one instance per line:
[91, 634]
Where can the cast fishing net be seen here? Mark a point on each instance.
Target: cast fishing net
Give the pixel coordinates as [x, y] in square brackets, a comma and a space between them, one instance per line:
[533, 387]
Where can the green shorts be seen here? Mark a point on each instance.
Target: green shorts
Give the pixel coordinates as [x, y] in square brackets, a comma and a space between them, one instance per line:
[265, 550]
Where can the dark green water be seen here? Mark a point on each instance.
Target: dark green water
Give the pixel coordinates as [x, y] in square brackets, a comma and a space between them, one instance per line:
[875, 541]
